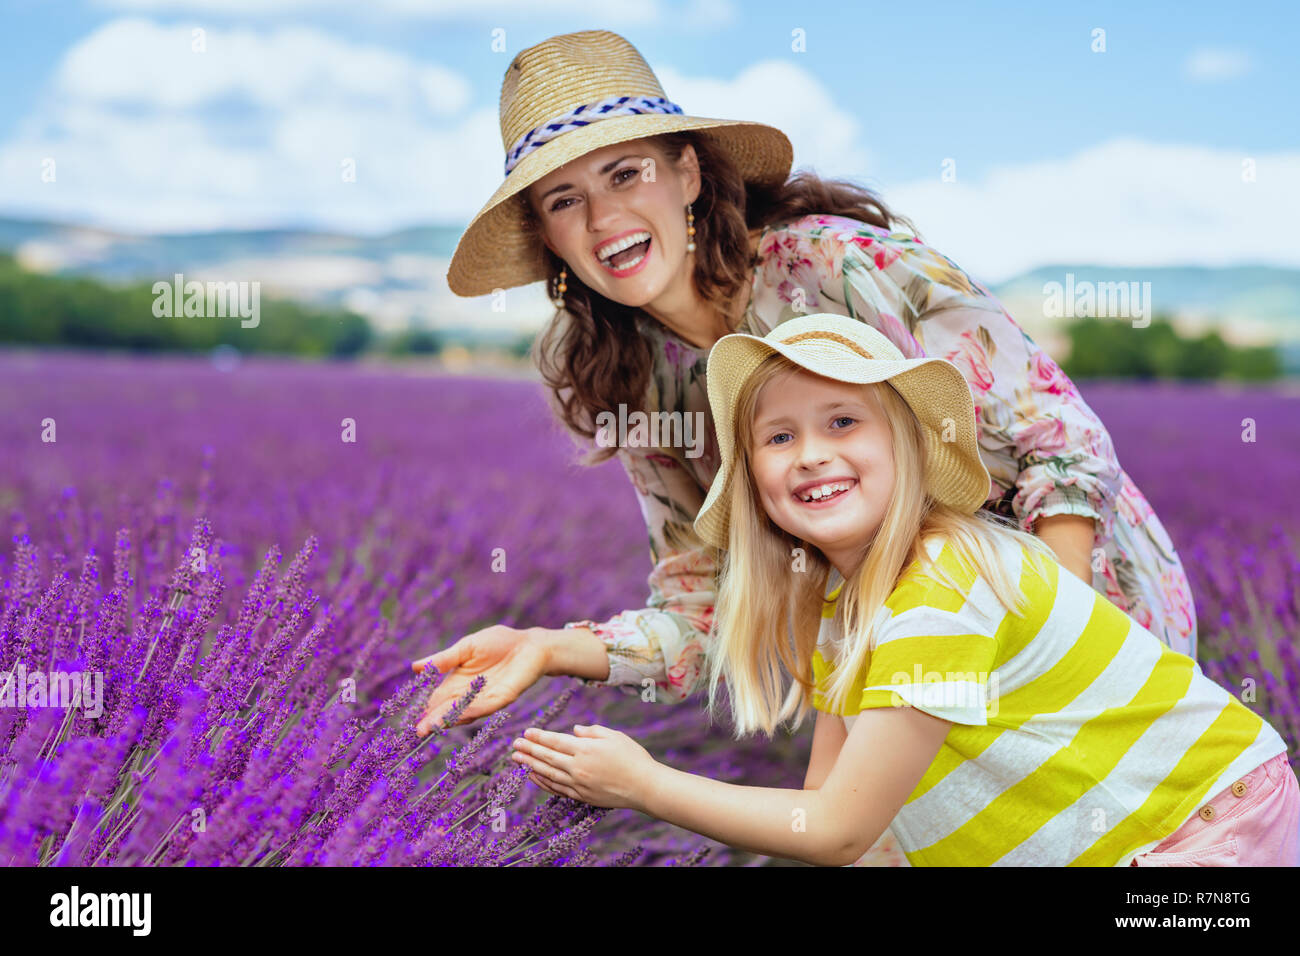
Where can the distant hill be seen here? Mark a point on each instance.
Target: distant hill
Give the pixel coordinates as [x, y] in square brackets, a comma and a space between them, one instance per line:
[1267, 295]
[118, 256]
[397, 280]
[1245, 304]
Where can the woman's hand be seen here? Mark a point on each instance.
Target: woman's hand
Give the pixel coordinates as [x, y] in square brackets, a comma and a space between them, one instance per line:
[508, 658]
[595, 764]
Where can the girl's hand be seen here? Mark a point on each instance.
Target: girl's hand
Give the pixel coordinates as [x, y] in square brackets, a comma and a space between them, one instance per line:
[595, 764]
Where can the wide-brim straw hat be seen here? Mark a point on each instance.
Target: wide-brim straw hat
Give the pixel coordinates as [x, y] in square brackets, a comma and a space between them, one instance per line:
[847, 350]
[561, 99]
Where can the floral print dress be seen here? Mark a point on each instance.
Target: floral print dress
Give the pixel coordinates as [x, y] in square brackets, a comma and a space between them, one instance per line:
[1045, 449]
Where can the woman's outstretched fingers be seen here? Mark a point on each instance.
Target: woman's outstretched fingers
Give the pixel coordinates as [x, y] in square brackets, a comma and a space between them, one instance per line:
[442, 697]
[426, 723]
[439, 704]
[446, 659]
[485, 703]
[433, 717]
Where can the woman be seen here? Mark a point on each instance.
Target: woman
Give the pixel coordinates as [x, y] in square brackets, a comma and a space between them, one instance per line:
[661, 233]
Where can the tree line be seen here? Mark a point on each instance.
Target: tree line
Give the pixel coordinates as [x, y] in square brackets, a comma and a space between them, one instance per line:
[39, 309]
[1113, 348]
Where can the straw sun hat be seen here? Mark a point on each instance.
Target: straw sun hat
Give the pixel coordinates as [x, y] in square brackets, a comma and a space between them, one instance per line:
[561, 99]
[847, 350]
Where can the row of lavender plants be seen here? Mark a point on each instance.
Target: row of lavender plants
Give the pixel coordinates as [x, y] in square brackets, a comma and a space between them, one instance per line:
[254, 715]
[259, 716]
[1219, 466]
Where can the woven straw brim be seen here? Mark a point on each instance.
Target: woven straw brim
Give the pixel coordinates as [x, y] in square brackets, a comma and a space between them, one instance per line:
[933, 387]
[496, 251]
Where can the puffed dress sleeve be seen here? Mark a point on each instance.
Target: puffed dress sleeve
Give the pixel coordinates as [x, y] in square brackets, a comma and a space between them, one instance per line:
[664, 642]
[1036, 432]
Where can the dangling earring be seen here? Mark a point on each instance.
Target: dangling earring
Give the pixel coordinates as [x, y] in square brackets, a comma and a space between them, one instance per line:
[560, 287]
[690, 229]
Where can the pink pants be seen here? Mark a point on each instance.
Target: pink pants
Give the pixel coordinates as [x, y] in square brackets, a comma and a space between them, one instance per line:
[1254, 822]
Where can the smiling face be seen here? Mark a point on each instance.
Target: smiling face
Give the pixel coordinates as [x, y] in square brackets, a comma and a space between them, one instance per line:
[811, 432]
[625, 195]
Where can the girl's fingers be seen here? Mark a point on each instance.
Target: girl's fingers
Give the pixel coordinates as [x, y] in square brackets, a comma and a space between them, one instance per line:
[549, 770]
[561, 743]
[550, 786]
[556, 758]
[553, 788]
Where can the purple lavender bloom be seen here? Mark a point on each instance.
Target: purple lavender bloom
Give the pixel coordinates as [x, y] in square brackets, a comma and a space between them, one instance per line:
[260, 712]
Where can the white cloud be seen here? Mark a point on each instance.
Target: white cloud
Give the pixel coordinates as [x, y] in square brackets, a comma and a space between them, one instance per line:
[1122, 202]
[706, 14]
[252, 132]
[781, 94]
[1212, 64]
[641, 12]
[172, 68]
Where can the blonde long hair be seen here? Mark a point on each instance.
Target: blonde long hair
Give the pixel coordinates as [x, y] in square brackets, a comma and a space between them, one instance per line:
[771, 584]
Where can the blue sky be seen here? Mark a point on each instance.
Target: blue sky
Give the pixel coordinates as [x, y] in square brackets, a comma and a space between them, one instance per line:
[1134, 155]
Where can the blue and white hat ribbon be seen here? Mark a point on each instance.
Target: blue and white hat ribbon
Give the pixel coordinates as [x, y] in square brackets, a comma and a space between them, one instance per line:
[585, 115]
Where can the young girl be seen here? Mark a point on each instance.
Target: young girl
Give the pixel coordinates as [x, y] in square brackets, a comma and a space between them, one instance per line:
[973, 696]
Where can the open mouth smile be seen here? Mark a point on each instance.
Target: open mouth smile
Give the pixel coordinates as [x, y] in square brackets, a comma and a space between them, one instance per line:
[626, 255]
[826, 495]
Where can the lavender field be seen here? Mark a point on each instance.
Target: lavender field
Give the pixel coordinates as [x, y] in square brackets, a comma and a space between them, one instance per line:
[207, 541]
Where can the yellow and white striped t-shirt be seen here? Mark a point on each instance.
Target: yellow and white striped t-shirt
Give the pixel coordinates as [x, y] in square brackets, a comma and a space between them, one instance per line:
[1078, 738]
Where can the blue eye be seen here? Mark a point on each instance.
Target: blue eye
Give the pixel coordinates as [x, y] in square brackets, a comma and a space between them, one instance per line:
[775, 437]
[846, 418]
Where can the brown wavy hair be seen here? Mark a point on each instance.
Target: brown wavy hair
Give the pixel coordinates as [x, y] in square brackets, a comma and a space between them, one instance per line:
[592, 356]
